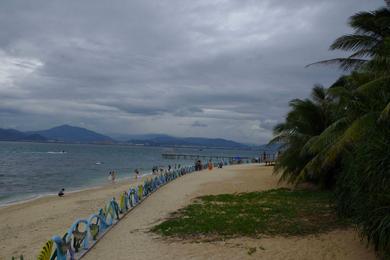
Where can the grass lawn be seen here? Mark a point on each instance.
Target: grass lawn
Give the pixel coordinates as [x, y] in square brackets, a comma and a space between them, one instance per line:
[275, 212]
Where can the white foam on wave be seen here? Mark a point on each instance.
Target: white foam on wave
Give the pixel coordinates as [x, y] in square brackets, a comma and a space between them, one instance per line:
[24, 199]
[32, 197]
[49, 152]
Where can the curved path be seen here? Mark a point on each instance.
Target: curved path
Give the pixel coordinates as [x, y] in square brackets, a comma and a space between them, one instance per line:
[130, 238]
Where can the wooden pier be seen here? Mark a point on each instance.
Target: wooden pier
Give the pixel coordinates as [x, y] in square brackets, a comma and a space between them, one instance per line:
[267, 159]
[198, 156]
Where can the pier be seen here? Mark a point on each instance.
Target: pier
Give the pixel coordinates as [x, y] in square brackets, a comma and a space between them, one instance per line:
[198, 156]
[267, 158]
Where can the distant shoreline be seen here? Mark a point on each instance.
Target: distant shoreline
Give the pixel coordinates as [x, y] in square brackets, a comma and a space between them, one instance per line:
[138, 145]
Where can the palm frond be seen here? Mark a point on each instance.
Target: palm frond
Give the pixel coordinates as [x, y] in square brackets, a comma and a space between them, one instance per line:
[363, 53]
[354, 133]
[318, 93]
[354, 42]
[343, 63]
[385, 114]
[307, 148]
[311, 167]
[277, 139]
[329, 136]
[374, 23]
[339, 91]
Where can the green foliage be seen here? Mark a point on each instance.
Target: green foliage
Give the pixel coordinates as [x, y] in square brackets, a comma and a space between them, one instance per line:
[349, 151]
[364, 189]
[274, 212]
[307, 119]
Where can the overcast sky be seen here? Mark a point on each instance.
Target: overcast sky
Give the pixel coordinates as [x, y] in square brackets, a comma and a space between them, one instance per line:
[208, 68]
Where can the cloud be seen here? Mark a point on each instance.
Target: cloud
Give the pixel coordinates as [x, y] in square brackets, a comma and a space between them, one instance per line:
[164, 66]
[199, 124]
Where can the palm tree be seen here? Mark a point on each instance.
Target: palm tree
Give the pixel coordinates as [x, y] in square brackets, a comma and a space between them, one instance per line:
[341, 137]
[307, 118]
[350, 145]
[360, 103]
[370, 42]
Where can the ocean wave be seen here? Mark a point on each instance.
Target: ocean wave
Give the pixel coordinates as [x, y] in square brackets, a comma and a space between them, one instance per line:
[49, 152]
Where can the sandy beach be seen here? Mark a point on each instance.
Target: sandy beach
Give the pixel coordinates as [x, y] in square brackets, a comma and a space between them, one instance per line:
[25, 227]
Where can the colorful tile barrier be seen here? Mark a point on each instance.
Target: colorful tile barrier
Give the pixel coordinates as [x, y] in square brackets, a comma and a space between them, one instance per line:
[85, 233]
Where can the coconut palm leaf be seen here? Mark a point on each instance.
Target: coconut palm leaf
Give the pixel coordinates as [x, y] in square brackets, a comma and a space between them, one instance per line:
[343, 63]
[351, 135]
[374, 23]
[369, 40]
[385, 115]
[353, 42]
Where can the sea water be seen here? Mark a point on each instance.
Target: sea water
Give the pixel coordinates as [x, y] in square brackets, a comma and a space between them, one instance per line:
[30, 170]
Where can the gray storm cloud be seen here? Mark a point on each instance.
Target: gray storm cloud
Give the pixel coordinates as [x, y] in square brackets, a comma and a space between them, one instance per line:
[223, 68]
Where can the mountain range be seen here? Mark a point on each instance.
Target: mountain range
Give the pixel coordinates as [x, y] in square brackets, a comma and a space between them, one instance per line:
[15, 135]
[72, 134]
[166, 140]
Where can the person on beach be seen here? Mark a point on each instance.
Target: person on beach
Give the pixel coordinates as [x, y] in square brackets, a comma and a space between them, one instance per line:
[220, 165]
[169, 167]
[210, 165]
[136, 173]
[198, 165]
[61, 193]
[113, 176]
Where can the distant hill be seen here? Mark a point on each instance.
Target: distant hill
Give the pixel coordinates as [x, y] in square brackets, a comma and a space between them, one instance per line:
[15, 135]
[127, 137]
[166, 140]
[72, 134]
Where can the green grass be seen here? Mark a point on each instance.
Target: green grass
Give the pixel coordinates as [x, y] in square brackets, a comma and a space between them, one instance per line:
[274, 212]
